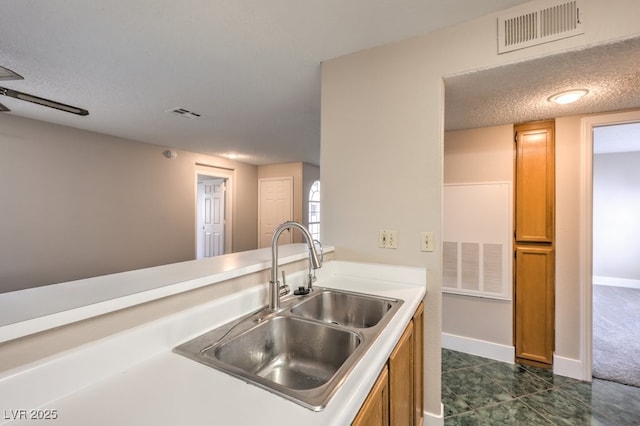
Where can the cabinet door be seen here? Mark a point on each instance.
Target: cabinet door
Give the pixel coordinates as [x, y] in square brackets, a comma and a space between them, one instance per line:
[534, 294]
[418, 366]
[375, 410]
[535, 182]
[401, 377]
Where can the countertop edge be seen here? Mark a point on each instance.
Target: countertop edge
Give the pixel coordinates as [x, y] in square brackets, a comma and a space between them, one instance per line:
[127, 289]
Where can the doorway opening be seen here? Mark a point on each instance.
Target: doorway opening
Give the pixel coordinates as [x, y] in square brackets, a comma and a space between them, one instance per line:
[214, 203]
[616, 242]
[589, 253]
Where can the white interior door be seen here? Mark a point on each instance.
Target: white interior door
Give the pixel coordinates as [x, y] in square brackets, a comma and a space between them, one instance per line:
[211, 199]
[275, 205]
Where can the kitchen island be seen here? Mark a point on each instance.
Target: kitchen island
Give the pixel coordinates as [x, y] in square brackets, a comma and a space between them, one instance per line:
[133, 377]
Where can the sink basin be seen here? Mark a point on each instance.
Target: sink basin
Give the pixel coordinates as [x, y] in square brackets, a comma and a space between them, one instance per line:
[288, 351]
[344, 308]
[302, 352]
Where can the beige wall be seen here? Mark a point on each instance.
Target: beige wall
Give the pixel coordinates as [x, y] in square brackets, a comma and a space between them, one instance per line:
[479, 155]
[568, 238]
[382, 148]
[77, 204]
[472, 156]
[381, 162]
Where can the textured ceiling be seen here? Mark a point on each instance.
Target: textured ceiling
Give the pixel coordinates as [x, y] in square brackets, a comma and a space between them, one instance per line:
[519, 92]
[251, 68]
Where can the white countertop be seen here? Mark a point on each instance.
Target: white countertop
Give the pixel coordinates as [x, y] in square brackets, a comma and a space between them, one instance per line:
[37, 309]
[135, 378]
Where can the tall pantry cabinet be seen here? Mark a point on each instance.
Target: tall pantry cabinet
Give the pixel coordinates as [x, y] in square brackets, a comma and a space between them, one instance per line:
[534, 235]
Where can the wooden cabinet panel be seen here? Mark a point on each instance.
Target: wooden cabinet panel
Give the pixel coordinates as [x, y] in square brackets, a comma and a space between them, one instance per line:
[534, 241]
[535, 182]
[397, 396]
[375, 410]
[418, 366]
[534, 298]
[401, 380]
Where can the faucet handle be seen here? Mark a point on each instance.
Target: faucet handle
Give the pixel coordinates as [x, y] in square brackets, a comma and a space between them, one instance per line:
[319, 244]
[312, 279]
[284, 289]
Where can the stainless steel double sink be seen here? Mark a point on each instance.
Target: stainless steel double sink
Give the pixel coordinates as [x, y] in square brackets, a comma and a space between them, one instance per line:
[304, 351]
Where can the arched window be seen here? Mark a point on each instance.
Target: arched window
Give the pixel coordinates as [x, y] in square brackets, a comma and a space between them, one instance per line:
[314, 210]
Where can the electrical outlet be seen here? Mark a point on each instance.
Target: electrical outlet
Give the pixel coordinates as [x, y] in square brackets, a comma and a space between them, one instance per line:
[392, 240]
[426, 241]
[388, 239]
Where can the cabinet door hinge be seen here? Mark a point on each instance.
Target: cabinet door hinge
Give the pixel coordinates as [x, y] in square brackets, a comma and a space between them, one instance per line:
[515, 254]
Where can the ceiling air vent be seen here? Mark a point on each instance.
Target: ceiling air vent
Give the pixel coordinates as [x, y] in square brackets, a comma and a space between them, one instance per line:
[183, 112]
[549, 21]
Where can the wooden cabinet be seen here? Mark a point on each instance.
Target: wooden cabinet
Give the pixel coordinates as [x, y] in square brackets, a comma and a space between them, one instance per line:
[534, 236]
[375, 410]
[535, 304]
[397, 396]
[535, 182]
[401, 380]
[418, 366]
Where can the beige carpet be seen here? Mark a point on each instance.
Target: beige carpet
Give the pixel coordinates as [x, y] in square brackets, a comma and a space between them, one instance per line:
[616, 334]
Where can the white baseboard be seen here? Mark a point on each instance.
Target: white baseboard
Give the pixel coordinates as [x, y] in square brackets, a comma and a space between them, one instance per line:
[562, 366]
[495, 351]
[616, 282]
[569, 367]
[431, 419]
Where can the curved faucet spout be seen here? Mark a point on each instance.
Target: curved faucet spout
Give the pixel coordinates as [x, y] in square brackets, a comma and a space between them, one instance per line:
[314, 260]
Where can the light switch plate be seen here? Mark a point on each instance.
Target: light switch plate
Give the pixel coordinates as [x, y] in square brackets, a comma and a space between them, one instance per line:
[388, 239]
[426, 241]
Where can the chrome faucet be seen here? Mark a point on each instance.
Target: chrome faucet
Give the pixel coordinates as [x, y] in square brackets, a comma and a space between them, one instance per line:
[314, 261]
[312, 278]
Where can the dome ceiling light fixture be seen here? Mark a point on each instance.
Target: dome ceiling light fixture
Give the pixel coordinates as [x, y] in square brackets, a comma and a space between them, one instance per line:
[568, 96]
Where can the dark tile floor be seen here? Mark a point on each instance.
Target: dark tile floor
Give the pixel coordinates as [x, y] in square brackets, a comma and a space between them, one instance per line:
[480, 391]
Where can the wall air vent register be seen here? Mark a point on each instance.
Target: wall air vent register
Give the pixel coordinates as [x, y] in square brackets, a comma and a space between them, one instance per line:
[477, 239]
[550, 21]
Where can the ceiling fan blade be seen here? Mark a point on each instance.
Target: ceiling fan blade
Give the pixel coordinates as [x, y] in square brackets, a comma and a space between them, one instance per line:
[4, 108]
[7, 74]
[42, 101]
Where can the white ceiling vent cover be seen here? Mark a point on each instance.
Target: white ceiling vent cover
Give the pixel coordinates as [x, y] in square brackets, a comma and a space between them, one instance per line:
[545, 22]
[183, 112]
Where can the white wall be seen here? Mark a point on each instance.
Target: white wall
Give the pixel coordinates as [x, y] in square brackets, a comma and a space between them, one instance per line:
[616, 209]
[382, 151]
